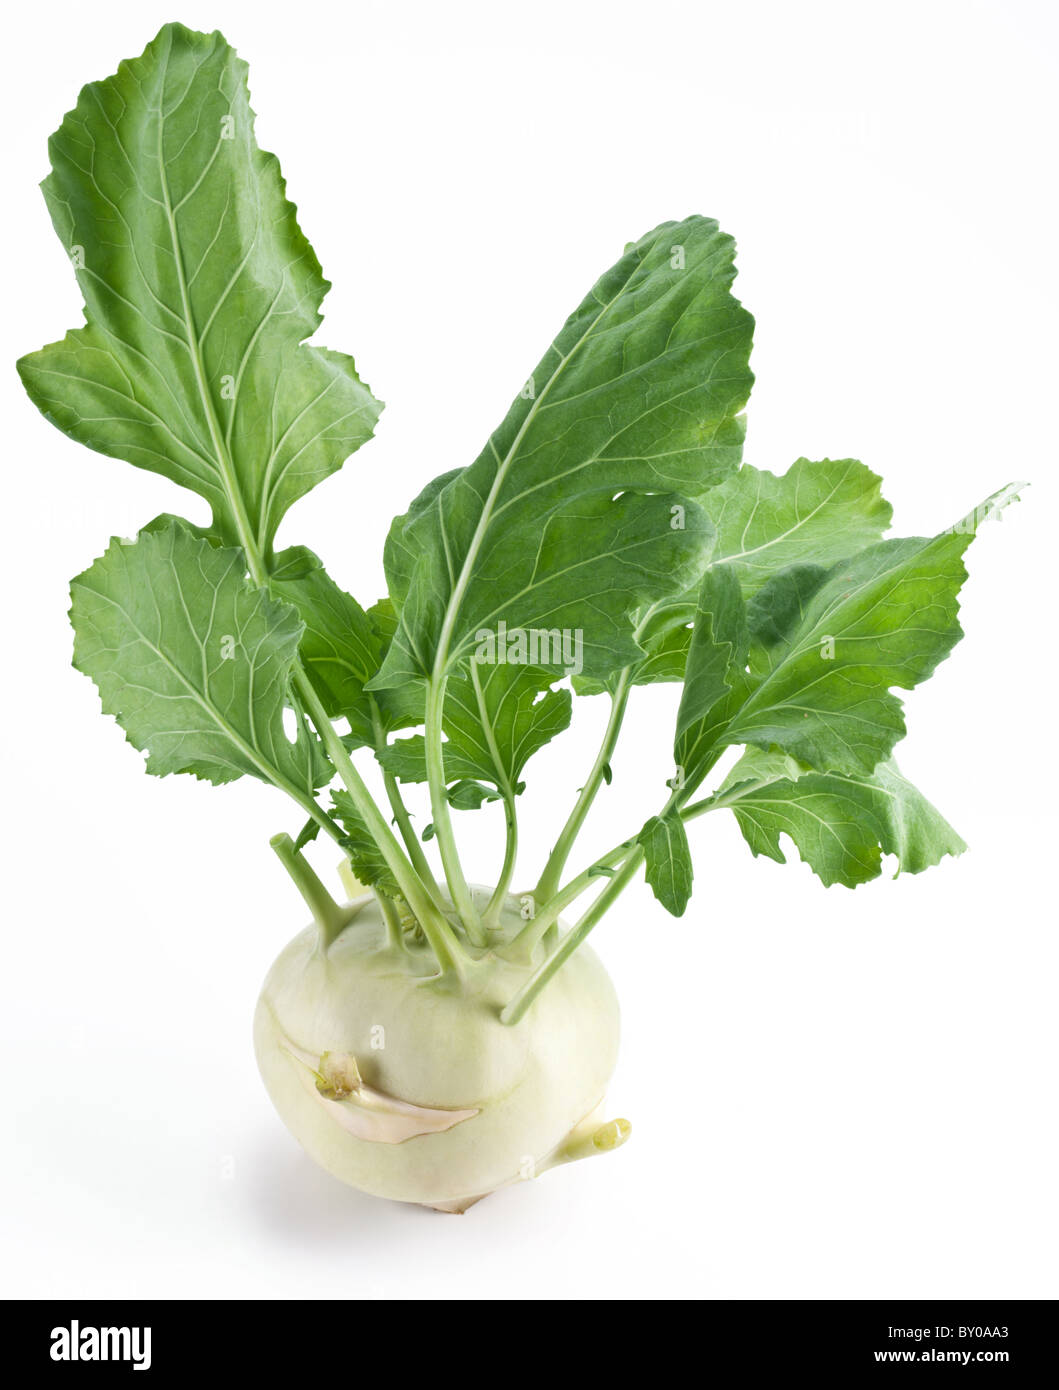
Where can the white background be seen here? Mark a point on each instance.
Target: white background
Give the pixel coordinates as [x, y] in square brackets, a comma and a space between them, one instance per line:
[832, 1094]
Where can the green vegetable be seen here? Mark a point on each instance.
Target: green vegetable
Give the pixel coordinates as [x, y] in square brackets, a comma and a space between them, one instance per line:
[606, 537]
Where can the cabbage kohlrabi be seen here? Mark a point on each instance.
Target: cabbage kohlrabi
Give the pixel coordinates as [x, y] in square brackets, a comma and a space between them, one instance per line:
[432, 1041]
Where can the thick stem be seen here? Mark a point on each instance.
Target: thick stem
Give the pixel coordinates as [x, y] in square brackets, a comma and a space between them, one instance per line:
[439, 807]
[629, 856]
[443, 942]
[548, 883]
[330, 917]
[404, 821]
[392, 918]
[543, 927]
[721, 799]
[491, 917]
[315, 811]
[517, 1007]
[537, 928]
[411, 840]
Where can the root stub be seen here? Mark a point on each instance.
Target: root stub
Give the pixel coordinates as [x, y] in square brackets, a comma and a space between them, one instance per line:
[456, 1208]
[585, 1140]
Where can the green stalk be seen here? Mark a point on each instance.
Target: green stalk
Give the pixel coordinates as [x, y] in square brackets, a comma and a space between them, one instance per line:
[625, 858]
[720, 799]
[491, 917]
[440, 935]
[548, 883]
[404, 821]
[539, 925]
[516, 1007]
[392, 918]
[439, 806]
[411, 840]
[330, 917]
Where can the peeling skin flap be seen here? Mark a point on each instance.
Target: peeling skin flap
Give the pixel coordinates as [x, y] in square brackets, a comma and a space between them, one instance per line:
[370, 1114]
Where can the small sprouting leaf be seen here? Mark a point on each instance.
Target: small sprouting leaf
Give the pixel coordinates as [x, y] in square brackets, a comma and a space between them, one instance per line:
[192, 661]
[307, 833]
[340, 648]
[470, 796]
[667, 861]
[401, 706]
[367, 860]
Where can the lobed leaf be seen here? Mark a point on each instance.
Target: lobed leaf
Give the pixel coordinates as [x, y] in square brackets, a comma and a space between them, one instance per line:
[369, 865]
[841, 825]
[827, 644]
[193, 663]
[830, 643]
[495, 719]
[199, 290]
[340, 649]
[815, 513]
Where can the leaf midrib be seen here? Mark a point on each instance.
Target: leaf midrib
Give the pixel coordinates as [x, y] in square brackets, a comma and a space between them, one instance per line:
[224, 461]
[503, 466]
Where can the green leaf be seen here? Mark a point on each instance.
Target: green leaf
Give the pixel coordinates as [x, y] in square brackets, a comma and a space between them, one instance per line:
[842, 825]
[667, 861]
[165, 520]
[815, 513]
[401, 554]
[550, 528]
[715, 681]
[401, 706]
[828, 645]
[340, 648]
[495, 719]
[666, 642]
[199, 290]
[193, 662]
[366, 858]
[823, 645]
[470, 796]
[307, 834]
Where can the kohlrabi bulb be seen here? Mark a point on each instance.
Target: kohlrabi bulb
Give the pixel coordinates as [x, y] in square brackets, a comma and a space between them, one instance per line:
[407, 1085]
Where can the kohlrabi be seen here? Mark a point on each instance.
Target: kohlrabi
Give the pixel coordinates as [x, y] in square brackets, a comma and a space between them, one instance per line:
[430, 1040]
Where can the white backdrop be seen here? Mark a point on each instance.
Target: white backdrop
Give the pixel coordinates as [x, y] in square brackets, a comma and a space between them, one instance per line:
[832, 1094]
